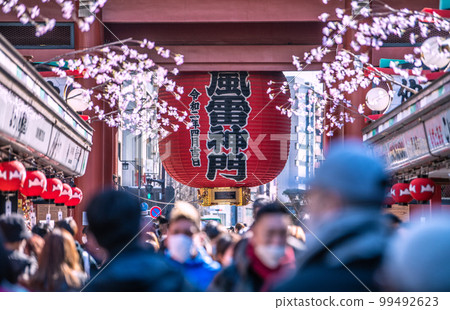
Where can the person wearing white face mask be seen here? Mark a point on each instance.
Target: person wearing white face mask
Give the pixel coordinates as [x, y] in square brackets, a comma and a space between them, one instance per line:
[183, 250]
[262, 260]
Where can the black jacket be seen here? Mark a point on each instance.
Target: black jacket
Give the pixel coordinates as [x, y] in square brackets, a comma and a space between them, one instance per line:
[238, 277]
[137, 270]
[22, 266]
[344, 257]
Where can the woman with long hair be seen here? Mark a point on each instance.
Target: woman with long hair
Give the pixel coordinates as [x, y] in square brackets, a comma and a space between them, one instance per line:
[59, 265]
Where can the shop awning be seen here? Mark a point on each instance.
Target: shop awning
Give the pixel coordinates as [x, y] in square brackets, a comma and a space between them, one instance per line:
[416, 134]
[35, 121]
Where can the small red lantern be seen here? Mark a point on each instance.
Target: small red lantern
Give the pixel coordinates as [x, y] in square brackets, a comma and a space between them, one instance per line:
[66, 194]
[12, 175]
[422, 189]
[35, 183]
[77, 197]
[400, 193]
[53, 189]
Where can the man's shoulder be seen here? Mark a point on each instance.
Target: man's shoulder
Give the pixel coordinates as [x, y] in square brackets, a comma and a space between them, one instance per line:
[140, 260]
[225, 279]
[140, 271]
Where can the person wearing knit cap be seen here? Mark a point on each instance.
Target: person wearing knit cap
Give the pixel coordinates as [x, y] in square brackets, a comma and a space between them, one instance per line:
[347, 235]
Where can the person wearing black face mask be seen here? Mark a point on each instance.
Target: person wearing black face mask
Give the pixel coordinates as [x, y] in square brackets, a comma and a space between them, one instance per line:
[263, 259]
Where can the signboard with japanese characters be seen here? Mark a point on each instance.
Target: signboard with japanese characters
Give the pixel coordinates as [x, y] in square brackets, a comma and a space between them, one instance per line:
[396, 149]
[194, 108]
[235, 136]
[416, 142]
[446, 124]
[401, 94]
[64, 150]
[413, 143]
[437, 131]
[228, 107]
[21, 122]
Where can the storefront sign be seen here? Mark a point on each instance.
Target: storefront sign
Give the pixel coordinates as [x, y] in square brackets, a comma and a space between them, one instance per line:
[402, 94]
[397, 150]
[437, 131]
[446, 122]
[20, 122]
[416, 142]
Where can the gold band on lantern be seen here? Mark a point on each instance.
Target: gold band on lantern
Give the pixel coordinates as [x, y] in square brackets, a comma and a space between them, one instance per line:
[238, 196]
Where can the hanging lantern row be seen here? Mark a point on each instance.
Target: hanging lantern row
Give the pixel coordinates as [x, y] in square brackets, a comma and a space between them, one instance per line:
[33, 184]
[420, 189]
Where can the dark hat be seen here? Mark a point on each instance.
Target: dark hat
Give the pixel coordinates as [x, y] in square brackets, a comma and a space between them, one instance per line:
[353, 173]
[13, 227]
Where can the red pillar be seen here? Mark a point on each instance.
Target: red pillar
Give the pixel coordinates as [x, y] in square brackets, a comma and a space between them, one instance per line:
[436, 201]
[102, 162]
[350, 131]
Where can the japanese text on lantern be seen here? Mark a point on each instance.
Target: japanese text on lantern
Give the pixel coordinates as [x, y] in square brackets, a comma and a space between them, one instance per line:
[194, 107]
[228, 106]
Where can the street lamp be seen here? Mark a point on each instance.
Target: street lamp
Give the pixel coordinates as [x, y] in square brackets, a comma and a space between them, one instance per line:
[125, 166]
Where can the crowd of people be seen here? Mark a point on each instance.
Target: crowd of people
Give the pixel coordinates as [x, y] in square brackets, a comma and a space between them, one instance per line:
[347, 245]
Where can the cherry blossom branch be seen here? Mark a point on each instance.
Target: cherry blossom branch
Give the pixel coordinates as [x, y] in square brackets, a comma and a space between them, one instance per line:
[382, 74]
[87, 50]
[349, 71]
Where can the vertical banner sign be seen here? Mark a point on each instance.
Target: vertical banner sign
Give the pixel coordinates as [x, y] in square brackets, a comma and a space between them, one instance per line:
[48, 217]
[60, 215]
[33, 218]
[194, 107]
[8, 207]
[84, 220]
[228, 108]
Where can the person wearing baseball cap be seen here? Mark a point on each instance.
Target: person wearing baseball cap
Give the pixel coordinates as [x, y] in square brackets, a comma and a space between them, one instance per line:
[15, 234]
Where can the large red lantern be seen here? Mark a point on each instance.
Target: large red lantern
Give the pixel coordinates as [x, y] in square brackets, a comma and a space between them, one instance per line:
[422, 189]
[400, 193]
[53, 189]
[238, 137]
[66, 194]
[35, 183]
[12, 175]
[77, 197]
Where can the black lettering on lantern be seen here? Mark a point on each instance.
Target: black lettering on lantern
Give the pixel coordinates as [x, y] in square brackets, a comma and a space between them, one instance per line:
[228, 106]
[194, 107]
[230, 162]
